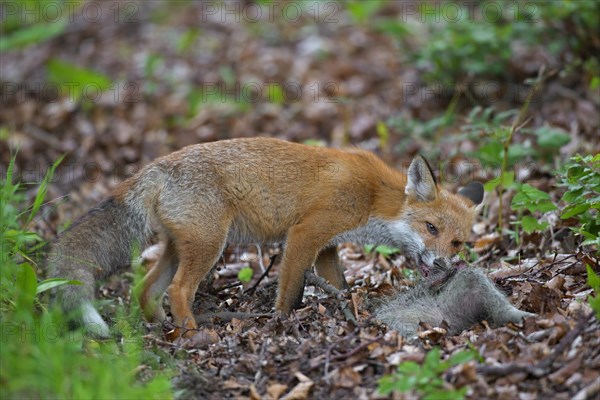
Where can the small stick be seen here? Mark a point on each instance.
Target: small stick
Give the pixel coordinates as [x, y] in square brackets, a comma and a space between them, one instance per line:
[356, 349]
[318, 281]
[328, 288]
[228, 316]
[271, 263]
[566, 341]
[543, 367]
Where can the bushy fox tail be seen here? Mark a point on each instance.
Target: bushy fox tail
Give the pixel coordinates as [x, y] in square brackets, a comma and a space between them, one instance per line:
[94, 247]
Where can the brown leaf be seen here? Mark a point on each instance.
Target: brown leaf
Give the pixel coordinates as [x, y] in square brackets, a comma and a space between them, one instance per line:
[204, 337]
[299, 392]
[276, 390]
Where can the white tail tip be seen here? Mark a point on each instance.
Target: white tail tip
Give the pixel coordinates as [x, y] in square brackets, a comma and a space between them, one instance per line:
[93, 324]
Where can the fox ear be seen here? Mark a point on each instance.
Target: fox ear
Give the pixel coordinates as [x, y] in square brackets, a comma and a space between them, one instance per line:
[421, 184]
[473, 191]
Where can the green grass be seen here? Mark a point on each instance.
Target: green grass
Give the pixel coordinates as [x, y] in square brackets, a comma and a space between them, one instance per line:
[40, 356]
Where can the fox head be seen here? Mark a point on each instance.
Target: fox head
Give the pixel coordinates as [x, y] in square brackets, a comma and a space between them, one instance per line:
[434, 222]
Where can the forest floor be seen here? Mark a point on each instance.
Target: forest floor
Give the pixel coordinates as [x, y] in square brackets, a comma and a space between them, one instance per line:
[175, 85]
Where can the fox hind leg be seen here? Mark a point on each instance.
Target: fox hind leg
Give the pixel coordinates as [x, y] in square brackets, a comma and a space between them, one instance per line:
[197, 254]
[156, 281]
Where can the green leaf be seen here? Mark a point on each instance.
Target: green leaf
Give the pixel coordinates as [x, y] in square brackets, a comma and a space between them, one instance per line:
[593, 280]
[457, 394]
[507, 179]
[275, 93]
[517, 152]
[386, 250]
[551, 138]
[31, 35]
[54, 282]
[491, 154]
[26, 285]
[409, 367]
[532, 199]
[492, 184]
[573, 210]
[43, 189]
[530, 224]
[386, 384]
[432, 359]
[574, 194]
[360, 11]
[245, 274]
[383, 133]
[392, 27]
[595, 304]
[462, 357]
[76, 81]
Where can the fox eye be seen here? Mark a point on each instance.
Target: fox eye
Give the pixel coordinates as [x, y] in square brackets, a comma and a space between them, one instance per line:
[456, 244]
[431, 228]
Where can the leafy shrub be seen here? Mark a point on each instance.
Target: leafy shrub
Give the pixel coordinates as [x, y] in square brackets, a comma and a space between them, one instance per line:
[464, 41]
[533, 200]
[581, 177]
[427, 379]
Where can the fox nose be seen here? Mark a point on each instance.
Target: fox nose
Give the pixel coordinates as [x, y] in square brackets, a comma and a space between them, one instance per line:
[427, 258]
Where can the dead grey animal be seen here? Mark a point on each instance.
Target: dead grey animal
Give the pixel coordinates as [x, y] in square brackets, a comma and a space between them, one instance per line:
[459, 295]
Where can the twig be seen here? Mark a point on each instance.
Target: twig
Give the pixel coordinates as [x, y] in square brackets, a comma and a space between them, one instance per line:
[589, 391]
[318, 281]
[229, 315]
[507, 369]
[566, 341]
[543, 367]
[271, 263]
[356, 349]
[312, 279]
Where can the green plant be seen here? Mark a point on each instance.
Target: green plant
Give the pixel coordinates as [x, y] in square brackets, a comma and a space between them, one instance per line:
[245, 274]
[79, 83]
[40, 357]
[593, 281]
[581, 177]
[427, 379]
[459, 43]
[18, 286]
[27, 22]
[361, 11]
[464, 49]
[385, 251]
[500, 151]
[533, 200]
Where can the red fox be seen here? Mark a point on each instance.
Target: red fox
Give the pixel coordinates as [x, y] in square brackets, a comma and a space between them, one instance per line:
[258, 189]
